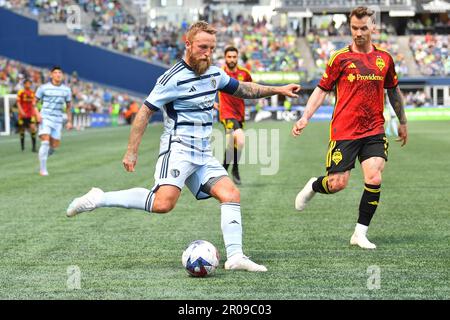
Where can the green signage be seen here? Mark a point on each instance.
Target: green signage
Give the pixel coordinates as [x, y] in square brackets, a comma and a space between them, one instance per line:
[428, 113]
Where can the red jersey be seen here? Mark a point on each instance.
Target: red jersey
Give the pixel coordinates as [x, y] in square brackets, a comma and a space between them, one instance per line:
[26, 99]
[231, 107]
[359, 80]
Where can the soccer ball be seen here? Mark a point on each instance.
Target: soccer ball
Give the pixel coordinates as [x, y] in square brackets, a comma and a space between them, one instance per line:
[200, 258]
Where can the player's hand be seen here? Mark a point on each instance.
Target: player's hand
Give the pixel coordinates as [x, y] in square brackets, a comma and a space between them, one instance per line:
[69, 125]
[129, 161]
[290, 89]
[299, 126]
[38, 117]
[402, 134]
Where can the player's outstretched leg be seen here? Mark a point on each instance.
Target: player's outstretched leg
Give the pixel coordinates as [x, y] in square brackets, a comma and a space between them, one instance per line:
[135, 198]
[87, 202]
[305, 195]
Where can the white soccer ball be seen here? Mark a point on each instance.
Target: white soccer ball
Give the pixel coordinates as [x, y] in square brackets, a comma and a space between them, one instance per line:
[201, 258]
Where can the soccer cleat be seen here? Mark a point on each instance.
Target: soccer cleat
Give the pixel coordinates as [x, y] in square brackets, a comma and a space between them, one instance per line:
[362, 241]
[85, 203]
[43, 173]
[241, 262]
[306, 194]
[236, 177]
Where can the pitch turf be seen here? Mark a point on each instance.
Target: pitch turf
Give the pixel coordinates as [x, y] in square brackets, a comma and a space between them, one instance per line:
[127, 254]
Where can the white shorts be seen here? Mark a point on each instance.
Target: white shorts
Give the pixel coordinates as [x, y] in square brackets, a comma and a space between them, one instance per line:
[180, 167]
[51, 128]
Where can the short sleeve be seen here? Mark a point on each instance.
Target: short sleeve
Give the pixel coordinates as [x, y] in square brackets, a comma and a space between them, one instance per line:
[39, 93]
[160, 96]
[226, 83]
[69, 95]
[330, 75]
[391, 79]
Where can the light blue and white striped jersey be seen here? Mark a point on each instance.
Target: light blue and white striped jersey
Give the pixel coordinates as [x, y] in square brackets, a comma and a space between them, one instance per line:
[186, 100]
[53, 100]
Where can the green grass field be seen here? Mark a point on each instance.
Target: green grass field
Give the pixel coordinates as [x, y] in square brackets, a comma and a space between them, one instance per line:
[128, 254]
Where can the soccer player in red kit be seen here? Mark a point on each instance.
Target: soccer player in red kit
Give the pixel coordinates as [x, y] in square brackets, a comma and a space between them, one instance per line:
[28, 114]
[232, 114]
[359, 74]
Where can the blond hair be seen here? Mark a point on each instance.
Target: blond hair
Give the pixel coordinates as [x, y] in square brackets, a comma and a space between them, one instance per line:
[197, 27]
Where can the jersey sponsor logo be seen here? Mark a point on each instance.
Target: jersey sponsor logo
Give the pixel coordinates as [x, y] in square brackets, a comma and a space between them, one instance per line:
[240, 77]
[351, 77]
[380, 63]
[337, 156]
[351, 66]
[365, 77]
[370, 77]
[192, 89]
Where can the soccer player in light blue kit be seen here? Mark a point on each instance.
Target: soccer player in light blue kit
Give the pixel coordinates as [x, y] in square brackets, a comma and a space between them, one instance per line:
[185, 93]
[54, 96]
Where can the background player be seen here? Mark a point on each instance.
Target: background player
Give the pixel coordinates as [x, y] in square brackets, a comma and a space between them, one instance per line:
[186, 94]
[28, 114]
[54, 96]
[360, 73]
[232, 114]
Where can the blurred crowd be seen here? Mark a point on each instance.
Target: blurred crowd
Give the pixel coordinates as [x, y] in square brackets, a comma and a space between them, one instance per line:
[431, 54]
[263, 47]
[87, 97]
[323, 47]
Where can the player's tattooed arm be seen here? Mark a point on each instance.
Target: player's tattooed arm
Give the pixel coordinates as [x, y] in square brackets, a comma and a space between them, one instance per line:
[137, 131]
[396, 100]
[251, 90]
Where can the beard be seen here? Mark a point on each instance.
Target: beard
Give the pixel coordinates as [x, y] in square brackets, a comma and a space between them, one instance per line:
[199, 65]
[231, 65]
[360, 41]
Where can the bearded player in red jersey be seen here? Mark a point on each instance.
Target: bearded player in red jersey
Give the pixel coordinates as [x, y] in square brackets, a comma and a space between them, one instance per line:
[28, 114]
[232, 114]
[359, 73]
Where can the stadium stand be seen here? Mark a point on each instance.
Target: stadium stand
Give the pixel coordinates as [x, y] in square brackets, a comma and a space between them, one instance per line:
[431, 54]
[87, 97]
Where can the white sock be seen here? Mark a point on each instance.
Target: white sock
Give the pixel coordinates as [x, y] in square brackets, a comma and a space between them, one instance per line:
[231, 227]
[361, 229]
[43, 155]
[136, 198]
